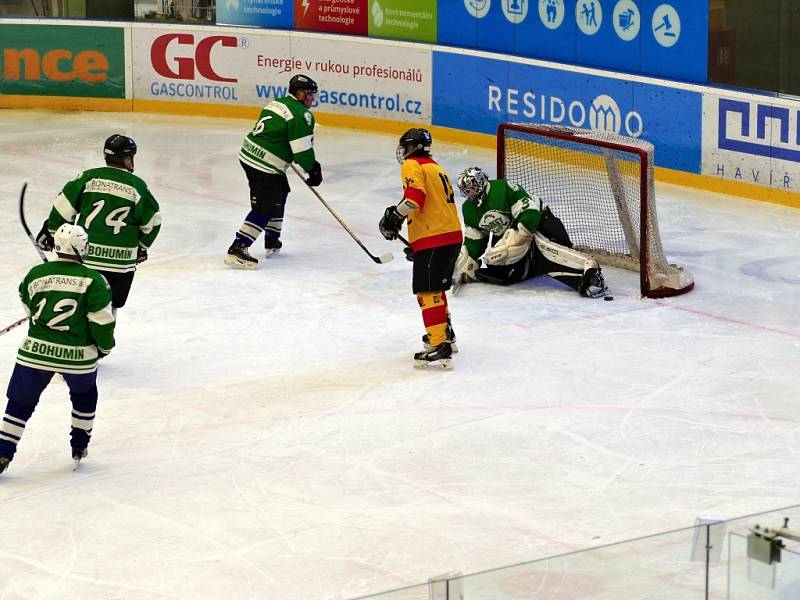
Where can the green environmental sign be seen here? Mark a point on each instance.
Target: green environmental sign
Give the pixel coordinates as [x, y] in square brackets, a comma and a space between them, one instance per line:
[403, 20]
[62, 60]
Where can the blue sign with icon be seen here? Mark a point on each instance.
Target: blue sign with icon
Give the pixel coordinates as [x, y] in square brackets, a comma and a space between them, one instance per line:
[277, 14]
[477, 94]
[652, 37]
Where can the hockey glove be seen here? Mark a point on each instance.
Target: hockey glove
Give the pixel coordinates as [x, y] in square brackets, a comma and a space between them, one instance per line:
[511, 248]
[391, 223]
[315, 175]
[141, 255]
[101, 354]
[44, 238]
[466, 266]
[409, 253]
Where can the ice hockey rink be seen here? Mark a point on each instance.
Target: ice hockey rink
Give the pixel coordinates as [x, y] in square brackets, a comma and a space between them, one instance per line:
[263, 435]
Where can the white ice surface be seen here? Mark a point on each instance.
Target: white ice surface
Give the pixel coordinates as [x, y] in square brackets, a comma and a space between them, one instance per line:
[263, 434]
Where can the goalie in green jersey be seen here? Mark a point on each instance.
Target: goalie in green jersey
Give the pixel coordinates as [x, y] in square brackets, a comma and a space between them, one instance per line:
[527, 238]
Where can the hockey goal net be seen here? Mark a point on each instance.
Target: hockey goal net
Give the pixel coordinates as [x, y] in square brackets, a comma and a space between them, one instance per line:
[600, 184]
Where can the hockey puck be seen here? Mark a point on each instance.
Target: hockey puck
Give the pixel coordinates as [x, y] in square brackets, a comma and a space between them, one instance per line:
[608, 298]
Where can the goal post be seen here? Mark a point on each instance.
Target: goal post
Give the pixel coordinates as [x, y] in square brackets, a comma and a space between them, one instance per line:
[601, 185]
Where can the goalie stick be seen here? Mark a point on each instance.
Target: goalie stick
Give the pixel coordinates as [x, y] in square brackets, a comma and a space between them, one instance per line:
[25, 224]
[384, 258]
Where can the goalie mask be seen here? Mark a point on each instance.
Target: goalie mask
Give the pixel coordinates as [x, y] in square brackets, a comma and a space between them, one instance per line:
[474, 184]
[71, 240]
[412, 142]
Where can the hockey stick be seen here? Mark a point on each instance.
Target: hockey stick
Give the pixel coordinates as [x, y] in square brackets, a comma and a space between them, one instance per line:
[384, 258]
[13, 325]
[25, 224]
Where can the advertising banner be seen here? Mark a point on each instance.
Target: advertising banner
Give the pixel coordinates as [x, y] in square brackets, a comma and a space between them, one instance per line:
[403, 20]
[752, 139]
[332, 16]
[652, 37]
[53, 60]
[355, 77]
[275, 14]
[478, 94]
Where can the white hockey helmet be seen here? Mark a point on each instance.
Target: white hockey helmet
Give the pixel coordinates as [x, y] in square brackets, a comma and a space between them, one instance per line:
[474, 184]
[71, 240]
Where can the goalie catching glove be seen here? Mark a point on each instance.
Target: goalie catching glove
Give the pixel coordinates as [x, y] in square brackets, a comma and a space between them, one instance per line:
[466, 266]
[510, 248]
[44, 238]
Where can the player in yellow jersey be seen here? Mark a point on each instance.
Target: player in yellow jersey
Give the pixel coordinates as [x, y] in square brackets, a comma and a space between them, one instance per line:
[434, 233]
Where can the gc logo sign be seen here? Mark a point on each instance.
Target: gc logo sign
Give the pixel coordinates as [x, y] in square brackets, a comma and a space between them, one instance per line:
[185, 65]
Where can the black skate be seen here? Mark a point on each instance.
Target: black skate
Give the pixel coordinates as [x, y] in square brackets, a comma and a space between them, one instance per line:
[4, 462]
[78, 454]
[451, 337]
[437, 356]
[592, 284]
[272, 245]
[239, 257]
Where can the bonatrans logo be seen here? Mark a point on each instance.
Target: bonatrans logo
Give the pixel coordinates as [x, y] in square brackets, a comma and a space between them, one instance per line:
[602, 114]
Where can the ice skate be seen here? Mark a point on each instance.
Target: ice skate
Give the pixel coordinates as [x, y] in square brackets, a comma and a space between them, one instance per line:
[78, 454]
[592, 284]
[239, 257]
[438, 356]
[451, 337]
[272, 245]
[4, 462]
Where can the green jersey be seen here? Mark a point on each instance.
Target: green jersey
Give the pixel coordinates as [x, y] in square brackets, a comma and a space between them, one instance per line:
[116, 209]
[283, 134]
[69, 306]
[504, 206]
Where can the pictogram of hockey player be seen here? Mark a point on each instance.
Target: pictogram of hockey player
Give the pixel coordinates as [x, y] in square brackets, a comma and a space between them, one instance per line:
[434, 233]
[527, 238]
[118, 212]
[70, 327]
[283, 134]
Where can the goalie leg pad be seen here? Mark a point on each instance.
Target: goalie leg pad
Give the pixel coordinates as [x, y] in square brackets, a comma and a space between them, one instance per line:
[569, 266]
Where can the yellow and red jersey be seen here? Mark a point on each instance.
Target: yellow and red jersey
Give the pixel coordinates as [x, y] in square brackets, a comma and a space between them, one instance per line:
[434, 222]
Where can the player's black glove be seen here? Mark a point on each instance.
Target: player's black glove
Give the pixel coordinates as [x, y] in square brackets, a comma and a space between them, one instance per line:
[409, 253]
[141, 255]
[44, 238]
[391, 223]
[315, 175]
[101, 354]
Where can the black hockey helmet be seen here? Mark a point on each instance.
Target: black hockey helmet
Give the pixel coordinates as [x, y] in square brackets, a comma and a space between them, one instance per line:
[117, 148]
[302, 83]
[414, 141]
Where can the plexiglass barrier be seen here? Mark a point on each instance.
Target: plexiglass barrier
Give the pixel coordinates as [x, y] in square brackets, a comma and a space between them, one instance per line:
[755, 557]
